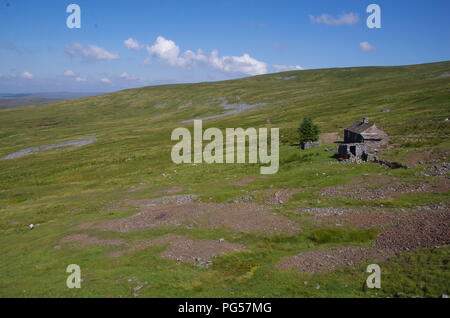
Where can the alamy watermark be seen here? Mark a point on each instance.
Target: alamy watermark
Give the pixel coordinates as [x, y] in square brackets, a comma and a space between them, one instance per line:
[74, 279]
[374, 19]
[374, 279]
[231, 149]
[74, 19]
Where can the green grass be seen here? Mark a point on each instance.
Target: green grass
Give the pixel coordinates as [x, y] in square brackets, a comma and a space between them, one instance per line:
[327, 235]
[63, 187]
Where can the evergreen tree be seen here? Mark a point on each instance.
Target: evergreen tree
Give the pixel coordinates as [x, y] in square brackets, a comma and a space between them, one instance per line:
[308, 130]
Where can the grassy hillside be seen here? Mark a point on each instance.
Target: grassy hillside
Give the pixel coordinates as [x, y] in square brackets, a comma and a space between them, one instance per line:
[61, 188]
[17, 100]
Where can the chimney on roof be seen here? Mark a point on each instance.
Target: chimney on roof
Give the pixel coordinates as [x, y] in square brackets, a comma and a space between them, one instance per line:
[365, 120]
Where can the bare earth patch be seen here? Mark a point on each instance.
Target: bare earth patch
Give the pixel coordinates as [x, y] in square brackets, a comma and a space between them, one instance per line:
[170, 190]
[240, 217]
[387, 191]
[280, 196]
[405, 232]
[244, 199]
[183, 249]
[157, 216]
[167, 200]
[84, 240]
[425, 229]
[83, 226]
[327, 211]
[372, 180]
[138, 188]
[329, 259]
[248, 217]
[362, 220]
[425, 156]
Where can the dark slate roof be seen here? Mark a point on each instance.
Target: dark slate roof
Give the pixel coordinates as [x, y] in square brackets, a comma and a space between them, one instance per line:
[359, 127]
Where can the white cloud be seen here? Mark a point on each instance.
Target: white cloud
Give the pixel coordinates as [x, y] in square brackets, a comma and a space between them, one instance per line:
[26, 75]
[366, 46]
[91, 52]
[344, 19]
[133, 44]
[80, 79]
[105, 80]
[244, 64]
[127, 77]
[69, 73]
[168, 52]
[284, 68]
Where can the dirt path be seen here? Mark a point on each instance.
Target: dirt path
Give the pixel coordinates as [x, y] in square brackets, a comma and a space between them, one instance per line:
[33, 150]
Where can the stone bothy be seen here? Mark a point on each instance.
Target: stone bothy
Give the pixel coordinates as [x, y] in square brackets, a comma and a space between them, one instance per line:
[361, 140]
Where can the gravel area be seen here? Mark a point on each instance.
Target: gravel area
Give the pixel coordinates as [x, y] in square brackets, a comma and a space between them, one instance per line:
[425, 229]
[244, 199]
[174, 189]
[329, 259]
[359, 192]
[327, 211]
[381, 220]
[442, 169]
[281, 196]
[428, 228]
[167, 200]
[184, 249]
[249, 217]
[33, 150]
[252, 218]
[187, 215]
[84, 240]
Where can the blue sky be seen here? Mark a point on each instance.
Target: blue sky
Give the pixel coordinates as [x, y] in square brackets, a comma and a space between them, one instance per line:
[236, 38]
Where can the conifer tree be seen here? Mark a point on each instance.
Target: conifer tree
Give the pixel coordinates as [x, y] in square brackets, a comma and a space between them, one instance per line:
[308, 131]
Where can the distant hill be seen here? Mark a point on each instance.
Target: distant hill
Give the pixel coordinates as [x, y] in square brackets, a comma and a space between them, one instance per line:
[29, 99]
